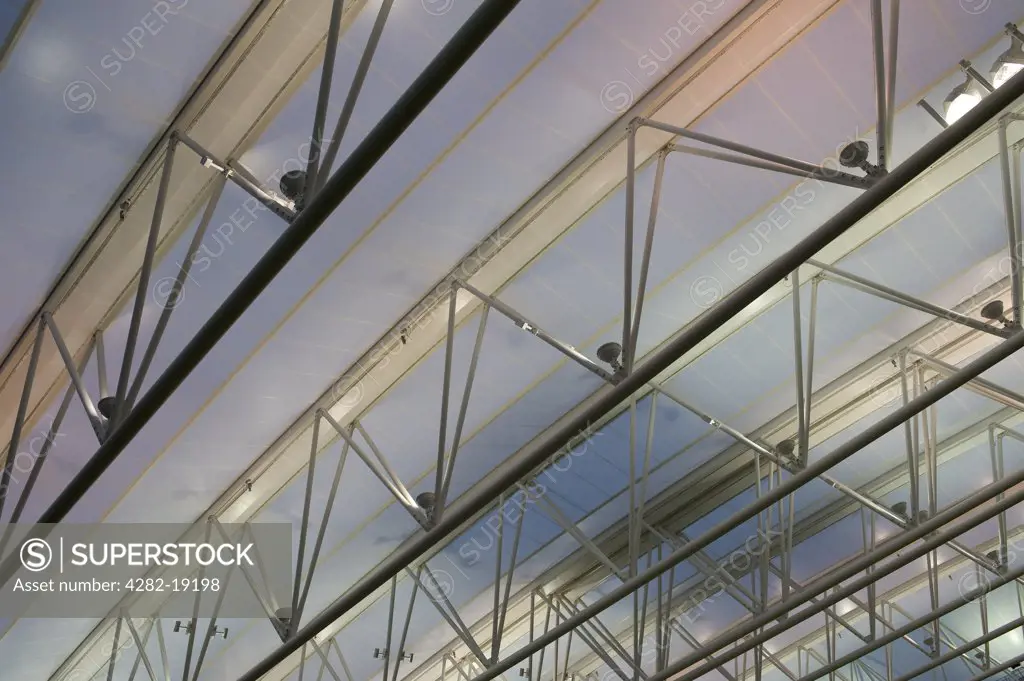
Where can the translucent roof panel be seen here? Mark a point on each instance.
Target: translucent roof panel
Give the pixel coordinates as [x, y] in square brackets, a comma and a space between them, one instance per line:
[93, 89]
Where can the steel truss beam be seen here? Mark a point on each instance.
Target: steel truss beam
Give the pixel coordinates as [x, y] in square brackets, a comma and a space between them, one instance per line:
[835, 274]
[127, 390]
[931, 534]
[315, 180]
[740, 154]
[871, 504]
[885, 78]
[919, 336]
[705, 325]
[282, 455]
[688, 598]
[473, 33]
[725, 427]
[858, 633]
[436, 75]
[592, 548]
[238, 176]
[116, 230]
[241, 172]
[1011, 211]
[974, 433]
[811, 531]
[633, 336]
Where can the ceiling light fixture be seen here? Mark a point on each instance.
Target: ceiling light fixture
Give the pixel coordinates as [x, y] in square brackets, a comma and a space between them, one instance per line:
[966, 95]
[855, 155]
[106, 407]
[293, 186]
[995, 311]
[962, 99]
[1011, 62]
[786, 448]
[426, 502]
[611, 354]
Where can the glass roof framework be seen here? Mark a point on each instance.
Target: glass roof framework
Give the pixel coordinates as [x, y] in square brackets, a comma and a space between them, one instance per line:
[573, 508]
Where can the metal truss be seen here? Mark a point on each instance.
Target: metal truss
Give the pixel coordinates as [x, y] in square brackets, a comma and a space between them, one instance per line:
[117, 417]
[229, 169]
[863, 498]
[595, 634]
[102, 254]
[719, 575]
[105, 409]
[922, 532]
[778, 470]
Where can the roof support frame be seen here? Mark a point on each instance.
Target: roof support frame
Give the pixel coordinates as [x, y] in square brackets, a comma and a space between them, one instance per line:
[446, 462]
[953, 441]
[830, 481]
[299, 596]
[955, 516]
[858, 283]
[1013, 227]
[713, 318]
[587, 635]
[802, 392]
[982, 579]
[112, 236]
[917, 337]
[326, 164]
[987, 585]
[770, 160]
[351, 385]
[324, 96]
